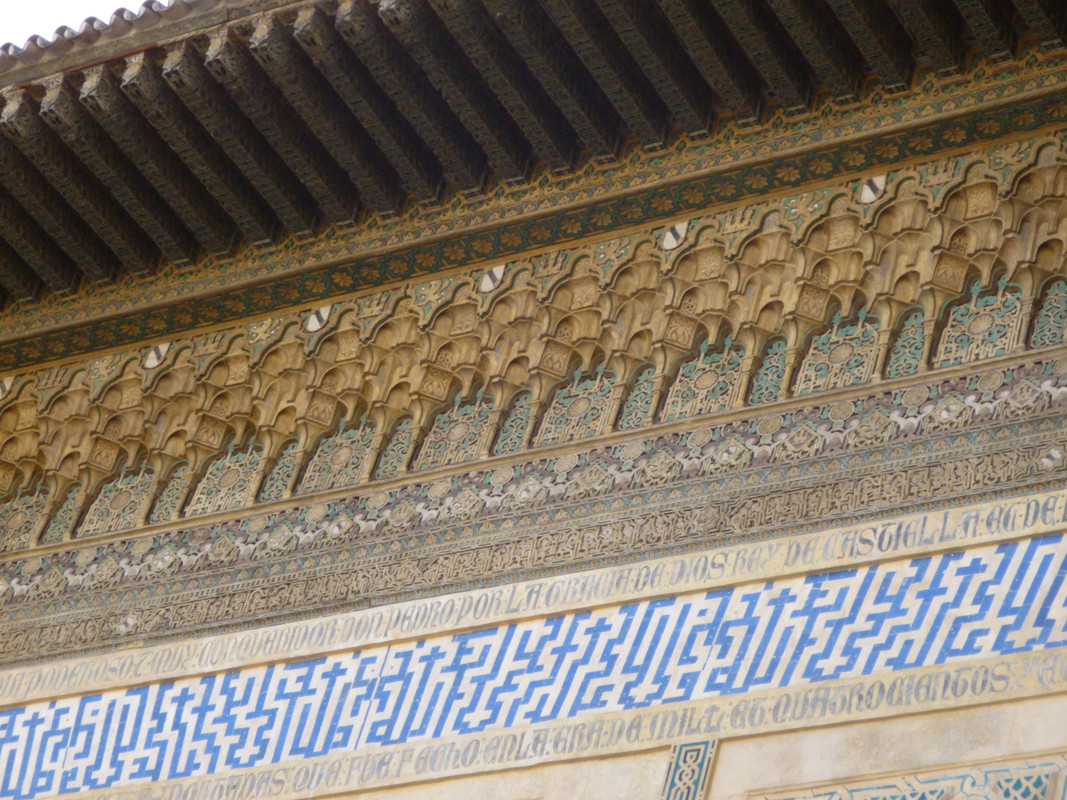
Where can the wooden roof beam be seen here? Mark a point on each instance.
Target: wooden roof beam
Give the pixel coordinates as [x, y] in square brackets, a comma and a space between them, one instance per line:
[185, 73]
[526, 101]
[231, 196]
[23, 126]
[592, 38]
[838, 69]
[642, 27]
[392, 68]
[881, 39]
[18, 280]
[35, 247]
[990, 21]
[62, 112]
[286, 134]
[556, 67]
[345, 140]
[718, 56]
[937, 28]
[451, 73]
[1044, 16]
[419, 171]
[51, 212]
[776, 59]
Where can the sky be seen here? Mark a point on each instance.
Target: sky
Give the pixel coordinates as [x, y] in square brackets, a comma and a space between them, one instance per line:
[21, 19]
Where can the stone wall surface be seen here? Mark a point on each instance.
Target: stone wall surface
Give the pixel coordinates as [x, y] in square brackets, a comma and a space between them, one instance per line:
[759, 501]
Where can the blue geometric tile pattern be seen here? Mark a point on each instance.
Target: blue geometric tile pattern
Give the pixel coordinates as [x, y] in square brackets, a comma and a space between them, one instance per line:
[874, 619]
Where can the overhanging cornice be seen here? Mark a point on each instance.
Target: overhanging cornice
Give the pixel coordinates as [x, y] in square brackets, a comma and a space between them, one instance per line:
[209, 132]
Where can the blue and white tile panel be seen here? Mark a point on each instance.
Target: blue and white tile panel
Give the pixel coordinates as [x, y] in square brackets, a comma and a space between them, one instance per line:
[876, 619]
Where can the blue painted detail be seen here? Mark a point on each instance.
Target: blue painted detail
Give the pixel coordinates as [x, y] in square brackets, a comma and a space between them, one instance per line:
[875, 619]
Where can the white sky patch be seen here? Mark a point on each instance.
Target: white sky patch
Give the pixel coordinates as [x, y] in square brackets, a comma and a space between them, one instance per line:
[21, 19]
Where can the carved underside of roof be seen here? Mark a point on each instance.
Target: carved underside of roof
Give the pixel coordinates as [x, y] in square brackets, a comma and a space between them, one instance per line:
[945, 264]
[253, 129]
[883, 343]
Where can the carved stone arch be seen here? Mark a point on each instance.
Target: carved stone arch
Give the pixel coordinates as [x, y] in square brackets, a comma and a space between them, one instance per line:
[770, 376]
[215, 426]
[341, 456]
[459, 357]
[225, 480]
[576, 333]
[440, 379]
[23, 511]
[580, 294]
[1045, 158]
[393, 403]
[62, 512]
[395, 452]
[639, 396]
[1032, 275]
[18, 407]
[174, 485]
[333, 392]
[322, 345]
[1032, 186]
[702, 257]
[115, 381]
[623, 252]
[276, 400]
[902, 215]
[706, 262]
[580, 406]
[842, 353]
[515, 426]
[394, 331]
[976, 198]
[462, 319]
[275, 345]
[764, 297]
[118, 438]
[18, 459]
[518, 301]
[175, 374]
[1049, 325]
[119, 500]
[709, 377]
[984, 321]
[62, 393]
[521, 340]
[634, 292]
[280, 468]
[221, 358]
[456, 432]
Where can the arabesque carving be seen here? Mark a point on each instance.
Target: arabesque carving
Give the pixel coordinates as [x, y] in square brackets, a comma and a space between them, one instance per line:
[955, 262]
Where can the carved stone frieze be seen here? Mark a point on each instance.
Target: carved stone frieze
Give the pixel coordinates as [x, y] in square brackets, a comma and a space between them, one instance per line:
[814, 292]
[753, 477]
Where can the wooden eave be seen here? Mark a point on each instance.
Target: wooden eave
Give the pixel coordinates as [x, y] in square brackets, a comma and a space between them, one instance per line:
[165, 135]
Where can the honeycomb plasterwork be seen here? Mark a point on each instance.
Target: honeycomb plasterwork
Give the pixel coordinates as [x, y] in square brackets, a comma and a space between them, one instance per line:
[741, 176]
[570, 344]
[715, 483]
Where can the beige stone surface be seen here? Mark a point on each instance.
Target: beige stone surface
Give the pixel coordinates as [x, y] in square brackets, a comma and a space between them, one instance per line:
[755, 765]
[632, 777]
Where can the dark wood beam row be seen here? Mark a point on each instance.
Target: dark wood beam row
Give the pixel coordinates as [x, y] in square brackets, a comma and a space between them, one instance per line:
[401, 79]
[326, 112]
[330, 187]
[613, 68]
[180, 132]
[82, 189]
[416, 166]
[244, 145]
[61, 110]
